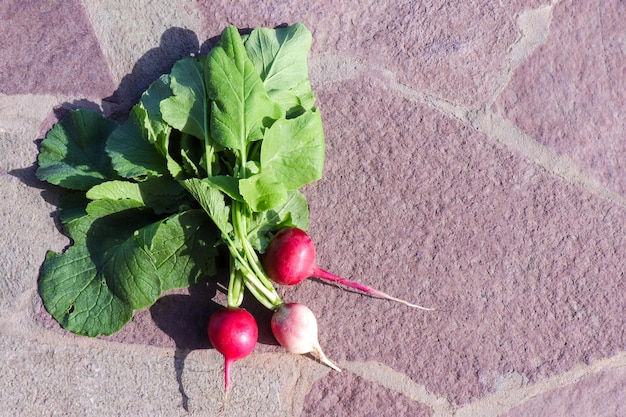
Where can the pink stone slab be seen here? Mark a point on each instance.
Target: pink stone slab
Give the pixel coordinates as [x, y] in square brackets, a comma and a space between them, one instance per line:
[600, 394]
[344, 394]
[50, 48]
[525, 267]
[450, 49]
[570, 94]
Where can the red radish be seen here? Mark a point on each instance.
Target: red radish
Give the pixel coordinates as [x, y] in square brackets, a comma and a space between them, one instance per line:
[295, 327]
[290, 258]
[234, 333]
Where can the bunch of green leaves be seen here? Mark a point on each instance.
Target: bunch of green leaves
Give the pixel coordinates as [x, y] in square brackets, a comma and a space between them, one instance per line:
[213, 154]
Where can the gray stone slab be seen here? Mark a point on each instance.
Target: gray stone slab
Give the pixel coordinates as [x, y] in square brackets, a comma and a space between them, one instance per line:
[142, 42]
[28, 229]
[82, 378]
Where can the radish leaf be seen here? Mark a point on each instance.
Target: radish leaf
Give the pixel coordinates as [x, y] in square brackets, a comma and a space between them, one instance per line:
[132, 154]
[262, 191]
[72, 153]
[122, 260]
[187, 109]
[240, 103]
[279, 56]
[161, 194]
[293, 149]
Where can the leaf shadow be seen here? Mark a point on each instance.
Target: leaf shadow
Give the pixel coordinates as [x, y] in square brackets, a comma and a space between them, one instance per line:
[175, 43]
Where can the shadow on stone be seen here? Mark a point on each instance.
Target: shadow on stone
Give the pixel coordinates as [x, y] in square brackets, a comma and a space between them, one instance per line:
[62, 110]
[184, 319]
[175, 44]
[50, 193]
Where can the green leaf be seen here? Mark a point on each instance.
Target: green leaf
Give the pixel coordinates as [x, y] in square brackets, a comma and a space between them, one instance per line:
[161, 194]
[293, 150]
[187, 109]
[262, 191]
[226, 184]
[212, 201]
[158, 130]
[183, 249]
[116, 190]
[132, 154]
[72, 153]
[294, 212]
[81, 287]
[192, 154]
[77, 295]
[105, 207]
[72, 209]
[280, 57]
[128, 257]
[128, 269]
[240, 105]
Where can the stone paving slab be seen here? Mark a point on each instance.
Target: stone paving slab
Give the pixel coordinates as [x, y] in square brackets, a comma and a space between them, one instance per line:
[474, 164]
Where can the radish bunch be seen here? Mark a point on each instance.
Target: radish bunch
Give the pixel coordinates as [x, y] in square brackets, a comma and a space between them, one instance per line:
[209, 163]
[288, 260]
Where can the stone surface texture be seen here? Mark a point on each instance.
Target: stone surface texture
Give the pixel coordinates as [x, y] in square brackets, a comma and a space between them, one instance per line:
[475, 164]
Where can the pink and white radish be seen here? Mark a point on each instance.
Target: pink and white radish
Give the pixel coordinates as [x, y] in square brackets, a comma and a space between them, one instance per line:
[290, 258]
[294, 326]
[233, 332]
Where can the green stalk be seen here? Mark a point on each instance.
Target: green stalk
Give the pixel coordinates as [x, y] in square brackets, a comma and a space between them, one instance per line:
[235, 286]
[239, 224]
[255, 264]
[241, 265]
[258, 293]
[208, 146]
[256, 277]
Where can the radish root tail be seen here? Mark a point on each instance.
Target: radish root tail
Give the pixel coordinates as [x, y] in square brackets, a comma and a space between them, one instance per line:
[325, 275]
[319, 354]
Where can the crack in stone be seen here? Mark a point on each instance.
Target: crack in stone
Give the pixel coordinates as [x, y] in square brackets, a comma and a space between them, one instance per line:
[505, 132]
[491, 405]
[503, 401]
[534, 28]
[401, 383]
[508, 134]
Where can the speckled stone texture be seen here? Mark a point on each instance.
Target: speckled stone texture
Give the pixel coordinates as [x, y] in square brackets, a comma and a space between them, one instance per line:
[600, 394]
[514, 257]
[475, 164]
[556, 95]
[50, 47]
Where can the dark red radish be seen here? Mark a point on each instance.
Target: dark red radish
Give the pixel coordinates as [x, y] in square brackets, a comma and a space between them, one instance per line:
[233, 332]
[290, 258]
[294, 326]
